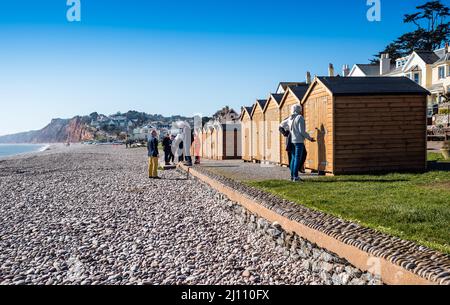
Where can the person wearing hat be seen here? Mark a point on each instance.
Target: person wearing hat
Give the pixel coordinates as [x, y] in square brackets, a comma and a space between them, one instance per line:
[296, 126]
[153, 154]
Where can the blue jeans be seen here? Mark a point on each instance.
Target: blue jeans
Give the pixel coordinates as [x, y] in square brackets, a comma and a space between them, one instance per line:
[296, 160]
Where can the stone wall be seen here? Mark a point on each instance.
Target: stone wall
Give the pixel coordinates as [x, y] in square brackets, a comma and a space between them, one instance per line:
[324, 265]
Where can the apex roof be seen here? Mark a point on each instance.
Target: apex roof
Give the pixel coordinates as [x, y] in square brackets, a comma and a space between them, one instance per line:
[381, 85]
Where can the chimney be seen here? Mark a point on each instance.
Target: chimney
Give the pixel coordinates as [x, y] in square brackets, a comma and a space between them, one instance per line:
[447, 48]
[330, 70]
[346, 70]
[385, 64]
[308, 78]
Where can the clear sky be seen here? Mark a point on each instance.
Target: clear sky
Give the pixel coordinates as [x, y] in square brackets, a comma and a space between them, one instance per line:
[173, 57]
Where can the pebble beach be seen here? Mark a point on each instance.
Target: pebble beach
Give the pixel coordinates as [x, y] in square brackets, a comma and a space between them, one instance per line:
[90, 215]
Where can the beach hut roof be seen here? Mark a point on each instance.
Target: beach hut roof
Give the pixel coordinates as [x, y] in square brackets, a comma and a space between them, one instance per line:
[370, 86]
[261, 103]
[248, 110]
[276, 97]
[299, 91]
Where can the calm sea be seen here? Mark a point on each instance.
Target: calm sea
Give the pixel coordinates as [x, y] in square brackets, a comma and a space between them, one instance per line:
[16, 149]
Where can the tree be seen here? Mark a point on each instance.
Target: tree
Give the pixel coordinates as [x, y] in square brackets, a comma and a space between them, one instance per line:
[223, 112]
[432, 32]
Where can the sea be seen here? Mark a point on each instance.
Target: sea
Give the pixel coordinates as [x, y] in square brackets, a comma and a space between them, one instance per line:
[7, 150]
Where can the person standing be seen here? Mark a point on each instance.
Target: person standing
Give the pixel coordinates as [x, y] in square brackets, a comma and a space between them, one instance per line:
[167, 146]
[153, 154]
[297, 128]
[171, 155]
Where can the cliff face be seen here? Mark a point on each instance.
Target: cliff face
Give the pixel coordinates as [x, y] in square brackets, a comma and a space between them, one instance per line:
[59, 130]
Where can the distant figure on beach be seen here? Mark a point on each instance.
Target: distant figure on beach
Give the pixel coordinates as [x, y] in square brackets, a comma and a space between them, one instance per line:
[167, 146]
[153, 154]
[297, 129]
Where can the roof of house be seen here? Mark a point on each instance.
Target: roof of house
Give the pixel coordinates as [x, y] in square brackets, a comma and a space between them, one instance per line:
[444, 58]
[370, 69]
[286, 85]
[372, 85]
[429, 57]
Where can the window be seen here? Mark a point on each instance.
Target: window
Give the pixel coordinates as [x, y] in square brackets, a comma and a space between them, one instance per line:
[441, 72]
[416, 77]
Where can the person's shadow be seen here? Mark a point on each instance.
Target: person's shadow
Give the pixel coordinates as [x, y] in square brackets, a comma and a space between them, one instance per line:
[321, 148]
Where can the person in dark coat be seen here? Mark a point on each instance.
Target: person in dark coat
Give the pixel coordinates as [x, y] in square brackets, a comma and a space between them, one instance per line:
[167, 146]
[153, 154]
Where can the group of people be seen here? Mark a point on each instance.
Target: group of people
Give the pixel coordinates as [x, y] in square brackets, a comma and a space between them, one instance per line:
[179, 145]
[294, 129]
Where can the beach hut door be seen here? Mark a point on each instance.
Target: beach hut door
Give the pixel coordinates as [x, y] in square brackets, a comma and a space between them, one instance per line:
[317, 116]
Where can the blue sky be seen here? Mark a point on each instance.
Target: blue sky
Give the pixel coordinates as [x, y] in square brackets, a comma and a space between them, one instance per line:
[173, 57]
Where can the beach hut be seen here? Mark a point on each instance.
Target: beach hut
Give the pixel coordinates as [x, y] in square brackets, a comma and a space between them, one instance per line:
[292, 96]
[365, 125]
[203, 149]
[227, 140]
[197, 147]
[271, 129]
[258, 130]
[246, 133]
[208, 141]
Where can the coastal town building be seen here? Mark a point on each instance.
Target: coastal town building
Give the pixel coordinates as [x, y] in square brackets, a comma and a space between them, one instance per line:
[430, 69]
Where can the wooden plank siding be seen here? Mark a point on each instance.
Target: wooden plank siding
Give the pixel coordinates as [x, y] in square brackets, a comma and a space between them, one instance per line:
[258, 135]
[272, 135]
[380, 133]
[246, 136]
[318, 112]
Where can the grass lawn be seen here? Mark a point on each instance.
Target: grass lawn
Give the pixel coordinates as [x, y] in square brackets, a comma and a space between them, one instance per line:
[411, 206]
[436, 157]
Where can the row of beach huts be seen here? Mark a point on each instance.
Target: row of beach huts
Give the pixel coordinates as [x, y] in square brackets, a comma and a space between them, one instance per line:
[361, 124]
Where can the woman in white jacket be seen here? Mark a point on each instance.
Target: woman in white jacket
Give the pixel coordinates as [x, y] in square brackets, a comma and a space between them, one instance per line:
[297, 128]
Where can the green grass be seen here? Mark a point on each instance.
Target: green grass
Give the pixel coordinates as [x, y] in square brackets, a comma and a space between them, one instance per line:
[436, 157]
[415, 207]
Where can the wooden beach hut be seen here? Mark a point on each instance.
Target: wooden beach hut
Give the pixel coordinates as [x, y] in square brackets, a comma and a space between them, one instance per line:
[258, 130]
[197, 147]
[203, 150]
[227, 140]
[208, 141]
[246, 133]
[271, 129]
[365, 125]
[292, 96]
